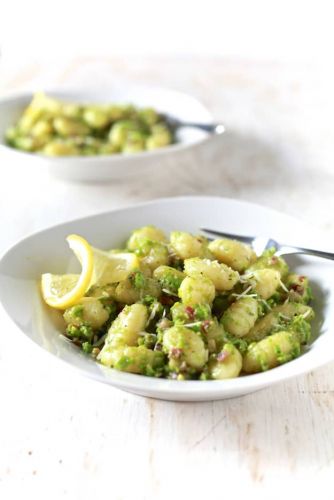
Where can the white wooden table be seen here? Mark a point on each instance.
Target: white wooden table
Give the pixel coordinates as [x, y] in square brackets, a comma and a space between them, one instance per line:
[64, 436]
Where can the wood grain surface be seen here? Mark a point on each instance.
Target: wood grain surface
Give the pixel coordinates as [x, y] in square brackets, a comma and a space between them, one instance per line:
[64, 436]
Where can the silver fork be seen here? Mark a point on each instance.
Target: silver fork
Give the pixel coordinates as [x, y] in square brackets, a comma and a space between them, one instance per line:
[260, 243]
[174, 124]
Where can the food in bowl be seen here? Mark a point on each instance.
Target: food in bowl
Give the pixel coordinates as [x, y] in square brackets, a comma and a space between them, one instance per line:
[53, 127]
[183, 307]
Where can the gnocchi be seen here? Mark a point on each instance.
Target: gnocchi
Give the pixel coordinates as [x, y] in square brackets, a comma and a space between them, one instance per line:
[223, 277]
[271, 351]
[185, 245]
[185, 349]
[233, 253]
[189, 309]
[265, 282]
[197, 290]
[52, 127]
[241, 316]
[226, 364]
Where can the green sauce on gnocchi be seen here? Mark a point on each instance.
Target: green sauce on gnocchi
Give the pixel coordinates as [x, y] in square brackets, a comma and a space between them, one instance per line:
[194, 310]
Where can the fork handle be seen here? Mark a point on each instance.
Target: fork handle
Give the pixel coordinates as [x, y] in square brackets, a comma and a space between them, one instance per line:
[282, 249]
[243, 239]
[285, 250]
[211, 128]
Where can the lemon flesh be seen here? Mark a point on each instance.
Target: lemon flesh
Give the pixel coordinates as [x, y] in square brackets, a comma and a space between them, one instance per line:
[112, 267]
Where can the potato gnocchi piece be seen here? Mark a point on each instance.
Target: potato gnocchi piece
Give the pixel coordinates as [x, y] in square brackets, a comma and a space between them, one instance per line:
[215, 335]
[67, 127]
[89, 311]
[199, 290]
[169, 278]
[272, 351]
[152, 254]
[268, 260]
[222, 276]
[241, 316]
[58, 147]
[283, 312]
[42, 130]
[199, 319]
[126, 293]
[96, 117]
[233, 253]
[151, 233]
[185, 245]
[265, 282]
[185, 349]
[135, 288]
[299, 288]
[133, 359]
[126, 327]
[226, 364]
[182, 313]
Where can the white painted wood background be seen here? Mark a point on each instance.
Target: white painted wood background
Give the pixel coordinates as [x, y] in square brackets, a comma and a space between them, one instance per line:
[64, 436]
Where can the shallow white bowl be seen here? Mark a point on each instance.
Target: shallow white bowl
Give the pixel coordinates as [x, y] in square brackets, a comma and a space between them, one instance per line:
[101, 168]
[22, 265]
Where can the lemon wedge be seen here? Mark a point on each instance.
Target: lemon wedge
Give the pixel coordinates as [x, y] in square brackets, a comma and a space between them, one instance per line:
[98, 268]
[110, 267]
[62, 291]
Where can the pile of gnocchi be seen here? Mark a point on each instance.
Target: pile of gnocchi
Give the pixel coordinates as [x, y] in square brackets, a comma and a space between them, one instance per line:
[195, 310]
[52, 127]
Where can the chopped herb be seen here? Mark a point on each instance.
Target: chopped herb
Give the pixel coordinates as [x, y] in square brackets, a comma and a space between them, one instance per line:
[171, 282]
[241, 344]
[138, 280]
[147, 300]
[202, 312]
[77, 311]
[82, 332]
[123, 363]
[87, 347]
[149, 340]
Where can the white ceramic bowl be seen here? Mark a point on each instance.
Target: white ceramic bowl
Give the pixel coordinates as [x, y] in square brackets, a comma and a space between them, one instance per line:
[101, 168]
[22, 265]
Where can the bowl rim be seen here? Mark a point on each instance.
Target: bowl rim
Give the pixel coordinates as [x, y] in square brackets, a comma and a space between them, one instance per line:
[133, 206]
[61, 93]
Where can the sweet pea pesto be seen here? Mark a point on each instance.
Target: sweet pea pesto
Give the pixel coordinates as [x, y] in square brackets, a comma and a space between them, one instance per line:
[194, 309]
[54, 128]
